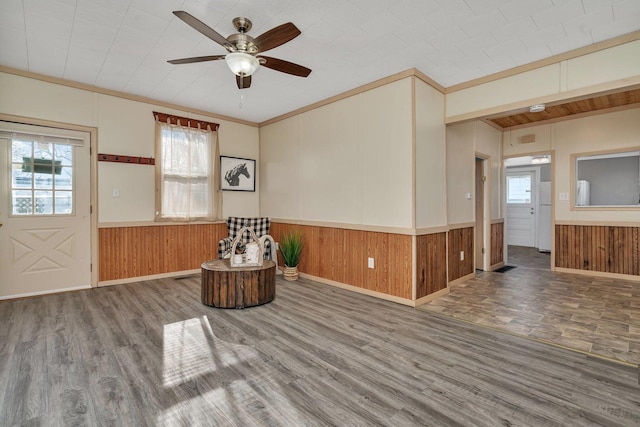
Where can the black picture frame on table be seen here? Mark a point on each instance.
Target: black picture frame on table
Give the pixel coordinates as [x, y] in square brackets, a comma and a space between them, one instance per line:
[237, 174]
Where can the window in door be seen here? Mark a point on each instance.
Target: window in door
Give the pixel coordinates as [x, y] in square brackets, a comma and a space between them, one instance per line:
[519, 188]
[41, 177]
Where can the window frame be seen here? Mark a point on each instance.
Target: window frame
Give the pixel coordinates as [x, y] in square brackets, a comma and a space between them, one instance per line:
[212, 184]
[575, 157]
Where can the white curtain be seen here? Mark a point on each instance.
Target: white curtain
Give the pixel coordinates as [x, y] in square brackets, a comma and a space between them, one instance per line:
[187, 181]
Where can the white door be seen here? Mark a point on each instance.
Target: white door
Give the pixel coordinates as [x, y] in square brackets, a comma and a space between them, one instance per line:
[521, 208]
[45, 236]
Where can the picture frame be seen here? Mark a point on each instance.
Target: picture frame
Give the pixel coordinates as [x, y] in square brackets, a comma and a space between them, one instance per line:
[237, 174]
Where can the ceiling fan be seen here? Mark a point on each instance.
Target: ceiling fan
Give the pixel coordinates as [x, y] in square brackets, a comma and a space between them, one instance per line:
[243, 49]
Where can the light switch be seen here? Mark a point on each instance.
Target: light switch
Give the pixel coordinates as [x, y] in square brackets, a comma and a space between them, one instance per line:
[370, 263]
[116, 192]
[563, 196]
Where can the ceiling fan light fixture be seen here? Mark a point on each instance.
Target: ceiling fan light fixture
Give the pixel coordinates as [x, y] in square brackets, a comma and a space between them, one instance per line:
[242, 64]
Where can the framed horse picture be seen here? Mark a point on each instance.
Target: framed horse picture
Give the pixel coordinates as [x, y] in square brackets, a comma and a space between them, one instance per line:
[237, 174]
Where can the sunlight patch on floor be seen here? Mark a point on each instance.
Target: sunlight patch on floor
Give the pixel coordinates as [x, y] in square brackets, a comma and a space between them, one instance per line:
[191, 349]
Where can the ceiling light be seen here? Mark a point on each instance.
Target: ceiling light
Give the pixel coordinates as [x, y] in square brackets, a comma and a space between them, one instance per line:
[536, 160]
[242, 64]
[537, 108]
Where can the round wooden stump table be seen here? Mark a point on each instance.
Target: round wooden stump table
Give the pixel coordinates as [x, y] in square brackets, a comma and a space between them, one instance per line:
[224, 286]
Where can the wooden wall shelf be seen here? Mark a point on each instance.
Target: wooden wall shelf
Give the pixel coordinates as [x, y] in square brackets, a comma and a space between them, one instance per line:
[126, 159]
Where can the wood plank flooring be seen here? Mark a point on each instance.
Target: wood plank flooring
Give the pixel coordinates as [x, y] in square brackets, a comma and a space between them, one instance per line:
[150, 353]
[596, 315]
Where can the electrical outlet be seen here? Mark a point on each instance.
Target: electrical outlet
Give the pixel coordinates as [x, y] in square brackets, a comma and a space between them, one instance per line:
[370, 263]
[461, 255]
[563, 196]
[277, 246]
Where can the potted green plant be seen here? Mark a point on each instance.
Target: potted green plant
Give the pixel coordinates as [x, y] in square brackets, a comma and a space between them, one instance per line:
[290, 247]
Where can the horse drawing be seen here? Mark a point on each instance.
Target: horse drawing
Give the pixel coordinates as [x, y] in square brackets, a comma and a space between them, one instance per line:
[233, 175]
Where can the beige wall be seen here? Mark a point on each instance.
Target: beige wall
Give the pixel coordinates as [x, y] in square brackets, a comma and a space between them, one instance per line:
[460, 173]
[464, 142]
[430, 157]
[345, 162]
[124, 127]
[589, 134]
[488, 142]
[612, 68]
[597, 133]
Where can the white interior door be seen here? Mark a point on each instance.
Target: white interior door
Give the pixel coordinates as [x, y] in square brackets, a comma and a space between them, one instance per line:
[521, 208]
[45, 236]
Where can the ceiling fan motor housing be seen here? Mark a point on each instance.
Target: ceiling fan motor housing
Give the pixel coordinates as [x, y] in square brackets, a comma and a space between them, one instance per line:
[243, 43]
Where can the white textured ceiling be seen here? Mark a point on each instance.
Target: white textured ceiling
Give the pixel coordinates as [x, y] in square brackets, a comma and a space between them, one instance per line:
[123, 45]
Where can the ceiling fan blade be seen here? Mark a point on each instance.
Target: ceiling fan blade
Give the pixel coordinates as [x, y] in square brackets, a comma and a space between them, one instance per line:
[196, 59]
[243, 82]
[203, 28]
[285, 66]
[276, 36]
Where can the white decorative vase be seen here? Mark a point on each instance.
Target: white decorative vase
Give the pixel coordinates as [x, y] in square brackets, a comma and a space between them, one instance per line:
[290, 273]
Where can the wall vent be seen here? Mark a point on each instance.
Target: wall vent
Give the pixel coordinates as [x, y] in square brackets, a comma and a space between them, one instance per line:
[527, 139]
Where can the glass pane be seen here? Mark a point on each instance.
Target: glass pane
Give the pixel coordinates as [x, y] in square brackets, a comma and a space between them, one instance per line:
[43, 202]
[64, 202]
[519, 189]
[63, 181]
[19, 150]
[20, 179]
[64, 154]
[43, 180]
[43, 151]
[21, 202]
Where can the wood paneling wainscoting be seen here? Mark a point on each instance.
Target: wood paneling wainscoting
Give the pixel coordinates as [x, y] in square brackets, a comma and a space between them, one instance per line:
[497, 243]
[460, 239]
[127, 252]
[340, 255]
[606, 249]
[431, 260]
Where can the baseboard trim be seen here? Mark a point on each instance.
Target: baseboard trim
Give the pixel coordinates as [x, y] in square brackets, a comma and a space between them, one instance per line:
[462, 279]
[40, 293]
[150, 277]
[598, 274]
[428, 298]
[496, 266]
[352, 288]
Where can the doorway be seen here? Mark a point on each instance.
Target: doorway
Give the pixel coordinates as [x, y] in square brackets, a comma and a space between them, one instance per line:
[521, 207]
[528, 223]
[45, 210]
[480, 215]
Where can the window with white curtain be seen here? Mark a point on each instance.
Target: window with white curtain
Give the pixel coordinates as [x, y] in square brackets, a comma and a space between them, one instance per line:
[186, 173]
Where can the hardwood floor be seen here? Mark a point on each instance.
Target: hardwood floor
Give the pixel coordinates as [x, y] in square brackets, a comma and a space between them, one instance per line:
[595, 315]
[151, 354]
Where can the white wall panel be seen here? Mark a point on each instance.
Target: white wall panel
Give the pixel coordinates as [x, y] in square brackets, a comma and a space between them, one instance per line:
[22, 96]
[592, 134]
[524, 86]
[513, 145]
[460, 172]
[607, 69]
[431, 192]
[280, 169]
[616, 63]
[124, 127]
[386, 153]
[348, 162]
[330, 165]
[489, 142]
